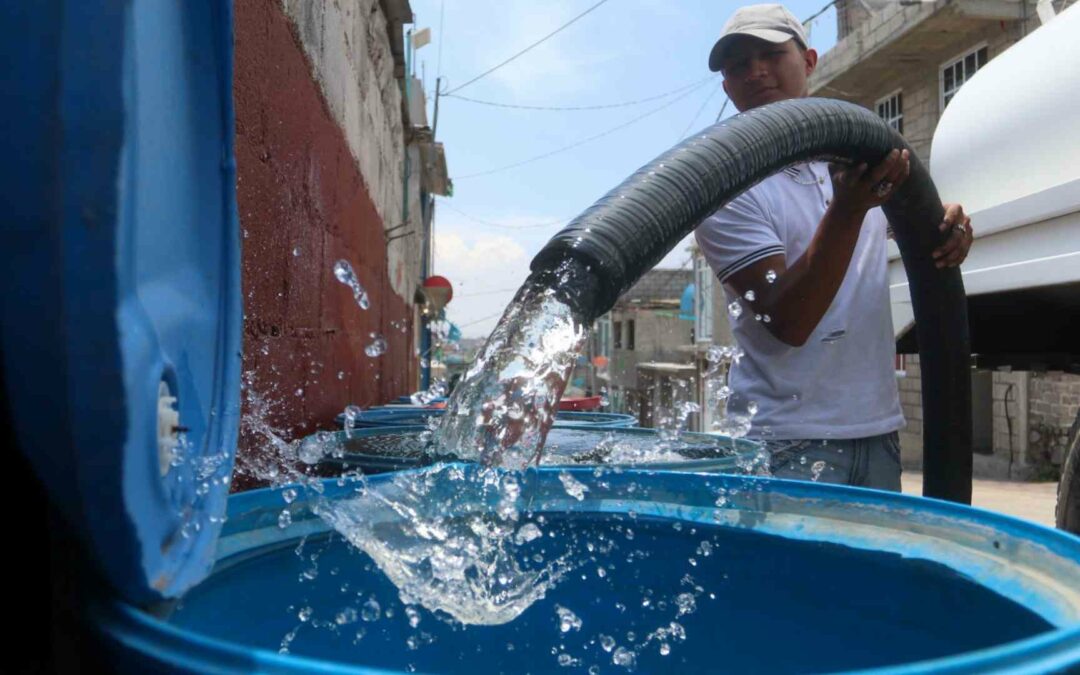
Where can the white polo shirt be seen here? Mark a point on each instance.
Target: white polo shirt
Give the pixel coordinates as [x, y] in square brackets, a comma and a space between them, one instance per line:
[841, 383]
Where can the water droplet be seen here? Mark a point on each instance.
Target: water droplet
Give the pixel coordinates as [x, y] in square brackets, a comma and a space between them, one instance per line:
[752, 407]
[296, 252]
[816, 469]
[341, 374]
[413, 615]
[344, 273]
[377, 347]
[370, 610]
[527, 533]
[766, 318]
[573, 487]
[757, 317]
[289, 495]
[305, 614]
[284, 519]
[624, 657]
[346, 616]
[770, 276]
[750, 296]
[665, 649]
[734, 309]
[568, 621]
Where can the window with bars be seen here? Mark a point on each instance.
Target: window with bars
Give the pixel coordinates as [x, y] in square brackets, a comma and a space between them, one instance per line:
[891, 109]
[955, 73]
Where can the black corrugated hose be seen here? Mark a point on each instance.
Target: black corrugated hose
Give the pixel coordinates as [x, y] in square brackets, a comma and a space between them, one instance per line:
[623, 235]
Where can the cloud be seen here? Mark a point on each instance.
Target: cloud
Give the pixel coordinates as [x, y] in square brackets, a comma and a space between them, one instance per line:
[485, 270]
[488, 265]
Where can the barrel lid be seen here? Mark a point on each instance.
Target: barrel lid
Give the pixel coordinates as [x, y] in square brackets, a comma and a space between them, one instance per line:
[121, 303]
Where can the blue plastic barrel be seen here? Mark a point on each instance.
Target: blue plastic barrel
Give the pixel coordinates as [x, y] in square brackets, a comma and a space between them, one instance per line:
[384, 416]
[768, 576]
[395, 448]
[120, 304]
[407, 400]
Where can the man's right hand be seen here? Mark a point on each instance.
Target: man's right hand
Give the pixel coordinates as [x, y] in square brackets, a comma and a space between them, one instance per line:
[857, 189]
[801, 292]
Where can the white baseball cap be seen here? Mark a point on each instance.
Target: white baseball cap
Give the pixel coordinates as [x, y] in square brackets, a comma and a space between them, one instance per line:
[772, 22]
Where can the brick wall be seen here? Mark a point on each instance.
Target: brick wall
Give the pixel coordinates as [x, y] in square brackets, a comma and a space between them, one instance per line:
[304, 203]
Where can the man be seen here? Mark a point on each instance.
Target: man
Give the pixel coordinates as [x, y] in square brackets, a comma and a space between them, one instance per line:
[802, 257]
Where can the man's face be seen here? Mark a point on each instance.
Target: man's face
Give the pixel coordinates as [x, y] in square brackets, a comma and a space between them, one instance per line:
[757, 72]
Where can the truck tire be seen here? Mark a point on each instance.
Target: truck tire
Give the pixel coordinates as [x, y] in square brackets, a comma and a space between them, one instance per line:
[1068, 505]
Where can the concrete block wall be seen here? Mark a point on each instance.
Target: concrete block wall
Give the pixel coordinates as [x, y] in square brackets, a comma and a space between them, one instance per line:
[348, 48]
[304, 203]
[1055, 400]
[909, 383]
[1031, 416]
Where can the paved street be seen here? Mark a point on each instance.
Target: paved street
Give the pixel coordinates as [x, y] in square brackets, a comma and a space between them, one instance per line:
[1032, 501]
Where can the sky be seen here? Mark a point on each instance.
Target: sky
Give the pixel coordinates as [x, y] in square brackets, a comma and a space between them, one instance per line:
[625, 50]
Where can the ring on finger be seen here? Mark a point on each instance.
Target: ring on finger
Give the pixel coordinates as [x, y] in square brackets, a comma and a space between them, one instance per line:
[882, 188]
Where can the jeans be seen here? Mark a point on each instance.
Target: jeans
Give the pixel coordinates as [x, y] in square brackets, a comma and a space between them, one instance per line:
[863, 462]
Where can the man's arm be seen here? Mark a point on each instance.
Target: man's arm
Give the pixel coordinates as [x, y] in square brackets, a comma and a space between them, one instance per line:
[802, 292]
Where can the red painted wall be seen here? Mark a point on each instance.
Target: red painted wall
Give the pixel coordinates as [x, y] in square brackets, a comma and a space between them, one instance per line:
[299, 188]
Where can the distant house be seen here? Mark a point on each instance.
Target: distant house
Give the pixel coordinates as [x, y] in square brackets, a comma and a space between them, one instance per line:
[643, 326]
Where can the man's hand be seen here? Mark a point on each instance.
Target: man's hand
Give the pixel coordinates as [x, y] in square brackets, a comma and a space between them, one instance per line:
[857, 189]
[955, 249]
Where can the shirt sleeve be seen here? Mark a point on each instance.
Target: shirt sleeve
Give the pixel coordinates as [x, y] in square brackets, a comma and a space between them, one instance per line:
[737, 236]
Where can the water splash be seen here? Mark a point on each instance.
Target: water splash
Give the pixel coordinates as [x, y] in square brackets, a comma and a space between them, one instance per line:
[430, 533]
[352, 413]
[436, 390]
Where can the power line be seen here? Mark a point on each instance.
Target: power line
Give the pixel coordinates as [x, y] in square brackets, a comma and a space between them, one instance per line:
[605, 106]
[523, 51]
[500, 225]
[700, 110]
[582, 141]
[723, 108]
[498, 290]
[472, 323]
[820, 12]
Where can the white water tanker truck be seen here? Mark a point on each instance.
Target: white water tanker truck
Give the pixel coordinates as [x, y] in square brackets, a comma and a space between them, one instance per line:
[1008, 149]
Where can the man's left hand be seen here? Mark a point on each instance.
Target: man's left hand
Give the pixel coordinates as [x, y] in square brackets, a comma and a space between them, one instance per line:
[955, 249]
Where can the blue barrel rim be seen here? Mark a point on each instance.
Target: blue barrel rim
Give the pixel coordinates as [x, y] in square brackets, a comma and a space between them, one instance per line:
[1050, 651]
[744, 446]
[392, 416]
